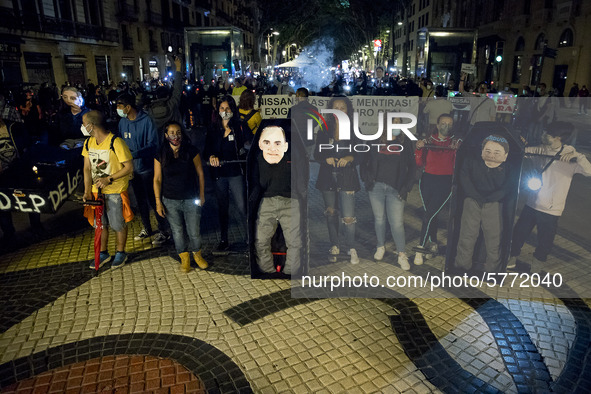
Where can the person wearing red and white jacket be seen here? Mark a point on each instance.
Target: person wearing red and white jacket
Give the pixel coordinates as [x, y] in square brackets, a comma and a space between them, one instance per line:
[437, 154]
[544, 207]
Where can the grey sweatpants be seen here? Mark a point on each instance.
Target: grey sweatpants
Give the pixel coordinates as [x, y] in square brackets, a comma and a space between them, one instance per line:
[286, 211]
[474, 217]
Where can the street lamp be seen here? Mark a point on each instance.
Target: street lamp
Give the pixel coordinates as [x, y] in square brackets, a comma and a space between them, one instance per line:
[275, 34]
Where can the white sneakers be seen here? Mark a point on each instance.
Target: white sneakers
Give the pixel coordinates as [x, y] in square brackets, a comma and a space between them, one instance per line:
[354, 257]
[334, 252]
[379, 254]
[418, 259]
[403, 261]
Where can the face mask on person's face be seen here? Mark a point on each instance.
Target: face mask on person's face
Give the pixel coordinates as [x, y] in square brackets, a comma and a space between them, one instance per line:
[429, 87]
[174, 140]
[539, 90]
[121, 113]
[226, 115]
[85, 131]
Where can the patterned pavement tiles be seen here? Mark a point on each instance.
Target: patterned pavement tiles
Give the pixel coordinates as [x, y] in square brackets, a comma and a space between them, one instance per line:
[115, 374]
[329, 345]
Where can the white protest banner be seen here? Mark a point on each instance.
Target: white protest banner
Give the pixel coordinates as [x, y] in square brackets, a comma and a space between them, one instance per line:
[469, 68]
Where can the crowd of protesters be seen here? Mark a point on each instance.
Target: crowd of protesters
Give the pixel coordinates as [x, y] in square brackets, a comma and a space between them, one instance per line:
[151, 119]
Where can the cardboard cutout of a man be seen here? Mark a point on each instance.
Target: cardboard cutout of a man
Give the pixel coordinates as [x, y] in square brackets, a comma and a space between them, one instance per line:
[485, 183]
[277, 204]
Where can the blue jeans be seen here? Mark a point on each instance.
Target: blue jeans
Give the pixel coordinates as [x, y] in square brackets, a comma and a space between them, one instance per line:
[184, 217]
[223, 187]
[385, 202]
[346, 207]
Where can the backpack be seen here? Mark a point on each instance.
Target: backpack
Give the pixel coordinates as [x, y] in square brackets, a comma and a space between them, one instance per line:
[112, 145]
[244, 120]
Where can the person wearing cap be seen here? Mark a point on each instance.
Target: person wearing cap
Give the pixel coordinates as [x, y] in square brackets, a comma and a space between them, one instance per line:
[484, 182]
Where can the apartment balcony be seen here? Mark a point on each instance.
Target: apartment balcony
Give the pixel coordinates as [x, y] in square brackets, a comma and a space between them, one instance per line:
[56, 26]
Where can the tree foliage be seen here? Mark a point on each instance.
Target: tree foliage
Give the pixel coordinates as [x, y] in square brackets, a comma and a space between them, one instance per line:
[350, 23]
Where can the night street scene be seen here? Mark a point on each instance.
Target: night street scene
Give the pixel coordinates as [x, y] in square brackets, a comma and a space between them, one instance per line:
[313, 196]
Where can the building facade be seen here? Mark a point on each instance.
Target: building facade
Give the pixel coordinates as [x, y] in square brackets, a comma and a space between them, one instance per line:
[537, 40]
[76, 41]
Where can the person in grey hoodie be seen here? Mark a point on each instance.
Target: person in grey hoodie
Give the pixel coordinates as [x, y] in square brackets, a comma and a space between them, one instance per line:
[139, 132]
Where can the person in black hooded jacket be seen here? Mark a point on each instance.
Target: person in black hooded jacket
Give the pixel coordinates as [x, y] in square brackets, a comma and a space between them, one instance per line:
[225, 142]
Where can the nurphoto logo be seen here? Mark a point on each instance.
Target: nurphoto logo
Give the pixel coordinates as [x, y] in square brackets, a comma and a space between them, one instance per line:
[393, 129]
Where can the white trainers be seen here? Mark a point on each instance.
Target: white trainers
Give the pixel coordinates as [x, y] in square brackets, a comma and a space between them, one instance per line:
[334, 252]
[354, 257]
[512, 263]
[379, 254]
[403, 261]
[142, 235]
[418, 259]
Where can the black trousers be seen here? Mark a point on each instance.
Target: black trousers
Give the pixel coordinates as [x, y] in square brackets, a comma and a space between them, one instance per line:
[435, 193]
[143, 189]
[547, 227]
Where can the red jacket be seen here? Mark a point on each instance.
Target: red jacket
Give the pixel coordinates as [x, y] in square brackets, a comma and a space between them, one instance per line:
[438, 161]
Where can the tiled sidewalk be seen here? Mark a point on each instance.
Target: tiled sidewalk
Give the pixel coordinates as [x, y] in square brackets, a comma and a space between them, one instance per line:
[155, 329]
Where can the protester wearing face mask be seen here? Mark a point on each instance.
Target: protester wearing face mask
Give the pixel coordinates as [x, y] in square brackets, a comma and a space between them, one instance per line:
[225, 142]
[107, 166]
[139, 132]
[437, 154]
[427, 89]
[179, 196]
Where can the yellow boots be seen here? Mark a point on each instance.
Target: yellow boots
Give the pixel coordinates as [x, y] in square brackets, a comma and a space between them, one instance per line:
[199, 260]
[185, 262]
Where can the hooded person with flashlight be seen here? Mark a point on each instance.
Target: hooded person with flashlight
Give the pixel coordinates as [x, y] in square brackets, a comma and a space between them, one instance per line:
[179, 189]
[558, 163]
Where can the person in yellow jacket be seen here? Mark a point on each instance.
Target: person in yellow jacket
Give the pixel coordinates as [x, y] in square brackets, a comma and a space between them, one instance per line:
[107, 166]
